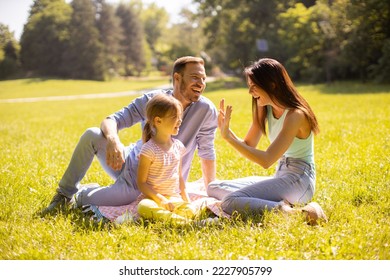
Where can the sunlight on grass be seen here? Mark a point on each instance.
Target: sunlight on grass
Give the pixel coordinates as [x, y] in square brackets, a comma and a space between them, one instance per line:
[25, 88]
[353, 181]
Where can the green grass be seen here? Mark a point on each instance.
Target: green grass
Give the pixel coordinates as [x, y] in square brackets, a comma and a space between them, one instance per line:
[26, 88]
[353, 181]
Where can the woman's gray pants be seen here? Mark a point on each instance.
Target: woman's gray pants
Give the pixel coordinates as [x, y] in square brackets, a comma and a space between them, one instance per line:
[294, 182]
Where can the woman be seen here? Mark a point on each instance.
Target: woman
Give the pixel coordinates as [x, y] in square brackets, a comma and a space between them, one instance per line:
[291, 128]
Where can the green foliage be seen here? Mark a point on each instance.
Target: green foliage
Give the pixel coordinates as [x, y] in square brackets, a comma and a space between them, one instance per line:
[9, 53]
[353, 175]
[181, 39]
[132, 43]
[381, 71]
[45, 37]
[84, 39]
[369, 28]
[155, 21]
[317, 40]
[232, 28]
[84, 55]
[111, 34]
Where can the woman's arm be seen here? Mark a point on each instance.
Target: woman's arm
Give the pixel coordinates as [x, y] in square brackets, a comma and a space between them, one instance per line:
[254, 133]
[294, 120]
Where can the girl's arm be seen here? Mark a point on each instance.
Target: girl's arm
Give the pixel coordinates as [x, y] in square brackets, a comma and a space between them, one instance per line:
[182, 186]
[147, 189]
[294, 121]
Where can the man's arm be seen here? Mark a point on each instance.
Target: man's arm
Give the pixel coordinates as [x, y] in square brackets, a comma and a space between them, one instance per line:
[114, 151]
[208, 170]
[126, 117]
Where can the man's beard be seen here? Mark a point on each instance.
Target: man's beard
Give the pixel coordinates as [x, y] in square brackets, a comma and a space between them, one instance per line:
[188, 95]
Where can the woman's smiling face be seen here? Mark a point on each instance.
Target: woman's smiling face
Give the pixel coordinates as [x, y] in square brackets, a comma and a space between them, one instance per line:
[261, 96]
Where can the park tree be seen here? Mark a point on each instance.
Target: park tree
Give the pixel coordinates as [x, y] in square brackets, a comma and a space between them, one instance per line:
[185, 37]
[84, 56]
[318, 40]
[9, 53]
[309, 40]
[234, 29]
[155, 21]
[111, 35]
[381, 71]
[368, 31]
[132, 43]
[338, 39]
[45, 37]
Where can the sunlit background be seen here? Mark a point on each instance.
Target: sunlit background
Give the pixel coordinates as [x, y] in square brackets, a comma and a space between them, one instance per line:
[318, 41]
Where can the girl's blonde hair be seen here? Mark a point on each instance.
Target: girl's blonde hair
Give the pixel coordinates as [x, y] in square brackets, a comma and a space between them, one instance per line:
[161, 105]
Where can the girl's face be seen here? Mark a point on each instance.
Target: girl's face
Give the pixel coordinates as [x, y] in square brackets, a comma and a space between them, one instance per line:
[170, 124]
[261, 96]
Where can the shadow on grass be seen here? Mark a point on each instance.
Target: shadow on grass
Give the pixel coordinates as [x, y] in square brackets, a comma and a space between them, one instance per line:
[81, 222]
[86, 222]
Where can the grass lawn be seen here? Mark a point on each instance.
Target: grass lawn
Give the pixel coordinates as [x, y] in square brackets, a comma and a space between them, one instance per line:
[353, 181]
[27, 88]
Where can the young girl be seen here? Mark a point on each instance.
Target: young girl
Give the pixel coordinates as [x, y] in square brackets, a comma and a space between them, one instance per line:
[291, 127]
[159, 175]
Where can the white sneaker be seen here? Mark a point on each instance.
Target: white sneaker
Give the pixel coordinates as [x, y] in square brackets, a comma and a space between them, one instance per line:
[125, 218]
[208, 222]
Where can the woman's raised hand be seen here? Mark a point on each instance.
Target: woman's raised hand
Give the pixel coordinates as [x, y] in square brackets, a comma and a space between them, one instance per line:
[224, 119]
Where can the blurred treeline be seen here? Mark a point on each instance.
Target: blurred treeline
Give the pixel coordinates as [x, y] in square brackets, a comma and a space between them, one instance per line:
[317, 40]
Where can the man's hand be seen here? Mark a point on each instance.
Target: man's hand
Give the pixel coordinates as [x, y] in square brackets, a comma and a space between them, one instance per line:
[114, 153]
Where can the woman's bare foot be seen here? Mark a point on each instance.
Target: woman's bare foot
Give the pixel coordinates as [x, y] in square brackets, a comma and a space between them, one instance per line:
[314, 213]
[286, 208]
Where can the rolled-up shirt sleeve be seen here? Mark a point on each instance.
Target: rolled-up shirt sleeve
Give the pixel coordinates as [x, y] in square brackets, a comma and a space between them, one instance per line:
[133, 113]
[206, 135]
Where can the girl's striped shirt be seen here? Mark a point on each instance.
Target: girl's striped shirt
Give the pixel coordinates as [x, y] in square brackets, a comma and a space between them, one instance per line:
[164, 170]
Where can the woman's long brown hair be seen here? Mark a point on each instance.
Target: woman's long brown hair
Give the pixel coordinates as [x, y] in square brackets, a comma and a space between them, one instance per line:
[272, 77]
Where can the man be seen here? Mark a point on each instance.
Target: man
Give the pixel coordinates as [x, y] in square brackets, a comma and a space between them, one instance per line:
[197, 131]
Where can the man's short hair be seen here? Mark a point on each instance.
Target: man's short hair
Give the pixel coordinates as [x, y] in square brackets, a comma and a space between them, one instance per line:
[181, 62]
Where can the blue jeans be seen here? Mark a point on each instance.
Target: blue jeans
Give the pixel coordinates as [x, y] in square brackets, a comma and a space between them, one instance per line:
[294, 181]
[123, 191]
